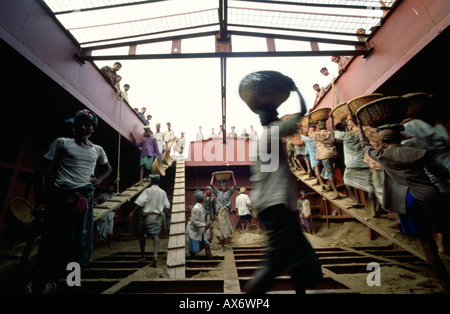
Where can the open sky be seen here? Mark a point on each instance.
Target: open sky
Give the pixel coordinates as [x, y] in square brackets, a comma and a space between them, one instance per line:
[187, 92]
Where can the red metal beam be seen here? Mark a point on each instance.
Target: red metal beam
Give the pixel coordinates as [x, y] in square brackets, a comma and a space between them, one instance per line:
[33, 32]
[412, 26]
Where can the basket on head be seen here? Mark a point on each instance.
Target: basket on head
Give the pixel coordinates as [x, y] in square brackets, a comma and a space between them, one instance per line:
[158, 167]
[166, 159]
[222, 175]
[21, 209]
[304, 121]
[340, 113]
[320, 114]
[287, 116]
[360, 101]
[386, 110]
[265, 89]
[419, 105]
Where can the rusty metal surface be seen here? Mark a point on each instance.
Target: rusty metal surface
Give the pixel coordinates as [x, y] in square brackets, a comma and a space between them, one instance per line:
[411, 27]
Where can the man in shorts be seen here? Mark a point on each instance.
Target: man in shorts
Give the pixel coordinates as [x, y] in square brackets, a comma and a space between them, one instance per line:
[151, 204]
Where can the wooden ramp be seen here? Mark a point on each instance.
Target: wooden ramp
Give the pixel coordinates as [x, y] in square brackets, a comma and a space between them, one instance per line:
[119, 200]
[176, 264]
[380, 225]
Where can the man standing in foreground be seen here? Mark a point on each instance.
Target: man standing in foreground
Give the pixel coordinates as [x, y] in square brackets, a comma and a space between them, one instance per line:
[67, 201]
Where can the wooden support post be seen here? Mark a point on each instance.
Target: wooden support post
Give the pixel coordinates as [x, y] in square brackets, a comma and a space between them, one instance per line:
[176, 46]
[271, 44]
[132, 50]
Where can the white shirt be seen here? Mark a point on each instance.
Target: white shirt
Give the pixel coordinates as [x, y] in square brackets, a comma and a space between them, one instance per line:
[199, 136]
[160, 140]
[75, 164]
[153, 200]
[195, 228]
[272, 178]
[253, 135]
[242, 203]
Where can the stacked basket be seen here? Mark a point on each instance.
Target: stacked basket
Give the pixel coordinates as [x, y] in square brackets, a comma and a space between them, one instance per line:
[360, 101]
[385, 110]
[340, 113]
[320, 115]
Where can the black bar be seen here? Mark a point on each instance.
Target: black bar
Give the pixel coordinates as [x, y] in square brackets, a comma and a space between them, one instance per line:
[323, 5]
[149, 41]
[109, 6]
[147, 34]
[299, 38]
[230, 55]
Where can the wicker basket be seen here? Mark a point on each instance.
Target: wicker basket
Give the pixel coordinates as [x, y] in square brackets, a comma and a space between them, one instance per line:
[320, 114]
[166, 159]
[21, 209]
[386, 110]
[304, 121]
[419, 105]
[340, 113]
[158, 167]
[222, 175]
[265, 88]
[288, 116]
[360, 101]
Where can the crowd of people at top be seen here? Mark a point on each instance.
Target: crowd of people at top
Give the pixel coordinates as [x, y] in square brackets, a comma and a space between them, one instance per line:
[251, 135]
[330, 75]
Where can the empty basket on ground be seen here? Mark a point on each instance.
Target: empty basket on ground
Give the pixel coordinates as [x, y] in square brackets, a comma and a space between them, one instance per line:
[21, 209]
[265, 89]
[386, 110]
[340, 113]
[222, 175]
[360, 101]
[158, 167]
[320, 115]
[418, 106]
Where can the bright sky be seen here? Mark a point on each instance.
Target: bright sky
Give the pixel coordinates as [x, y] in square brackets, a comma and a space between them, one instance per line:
[187, 92]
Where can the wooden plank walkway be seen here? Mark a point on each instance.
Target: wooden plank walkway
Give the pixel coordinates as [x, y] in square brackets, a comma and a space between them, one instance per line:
[119, 200]
[380, 225]
[176, 254]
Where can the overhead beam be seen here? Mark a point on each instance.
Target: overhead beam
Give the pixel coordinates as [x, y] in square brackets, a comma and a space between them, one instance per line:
[223, 19]
[149, 41]
[299, 38]
[297, 30]
[147, 34]
[107, 6]
[321, 5]
[253, 54]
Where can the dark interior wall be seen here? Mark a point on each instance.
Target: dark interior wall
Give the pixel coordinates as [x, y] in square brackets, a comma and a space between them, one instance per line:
[33, 114]
[426, 72]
